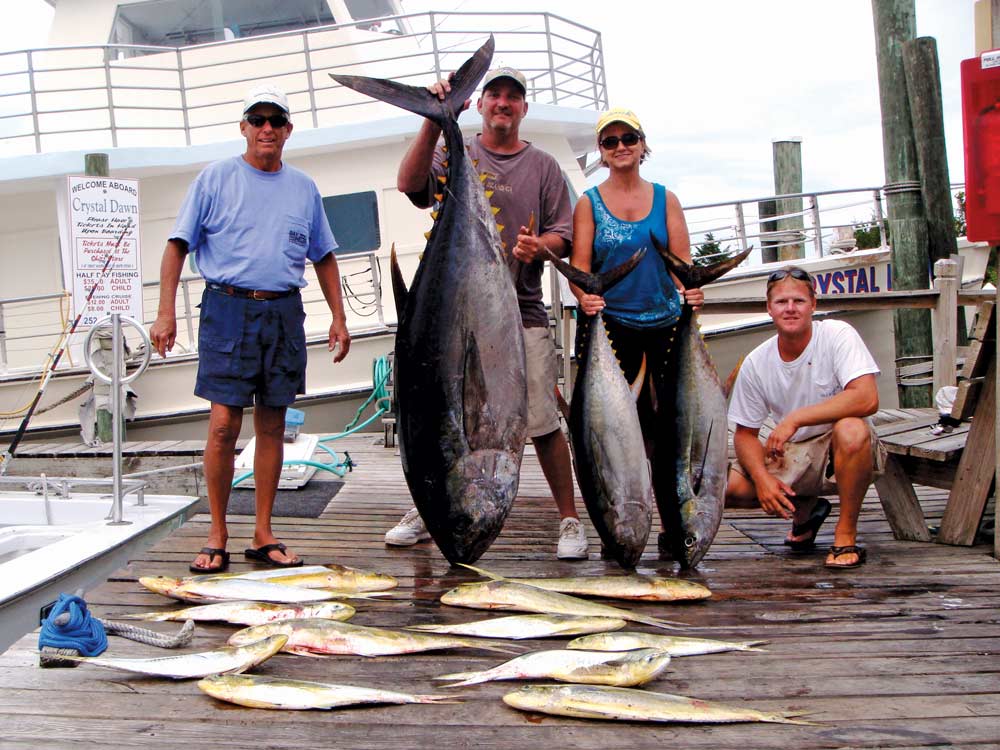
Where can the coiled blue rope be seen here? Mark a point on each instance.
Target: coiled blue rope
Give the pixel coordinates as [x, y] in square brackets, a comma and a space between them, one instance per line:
[83, 632]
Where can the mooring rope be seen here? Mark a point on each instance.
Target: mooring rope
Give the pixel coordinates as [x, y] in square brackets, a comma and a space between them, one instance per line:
[71, 630]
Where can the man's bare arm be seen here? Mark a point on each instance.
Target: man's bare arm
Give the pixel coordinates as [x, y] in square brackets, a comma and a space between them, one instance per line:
[858, 399]
[163, 332]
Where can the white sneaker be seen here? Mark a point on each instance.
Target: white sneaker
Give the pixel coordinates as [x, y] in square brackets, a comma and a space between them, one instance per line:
[572, 540]
[408, 531]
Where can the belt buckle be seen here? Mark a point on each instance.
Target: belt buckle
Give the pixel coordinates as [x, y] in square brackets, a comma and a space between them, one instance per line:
[254, 293]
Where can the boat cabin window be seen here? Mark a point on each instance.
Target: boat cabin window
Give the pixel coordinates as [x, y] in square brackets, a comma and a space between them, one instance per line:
[183, 23]
[376, 10]
[354, 220]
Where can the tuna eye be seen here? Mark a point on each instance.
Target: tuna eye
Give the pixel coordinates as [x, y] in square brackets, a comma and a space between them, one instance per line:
[690, 541]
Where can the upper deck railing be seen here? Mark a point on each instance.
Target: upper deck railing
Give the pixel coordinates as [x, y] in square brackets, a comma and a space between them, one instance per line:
[128, 95]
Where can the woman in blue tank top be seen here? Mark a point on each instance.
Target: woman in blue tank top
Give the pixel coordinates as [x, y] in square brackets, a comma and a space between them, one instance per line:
[610, 223]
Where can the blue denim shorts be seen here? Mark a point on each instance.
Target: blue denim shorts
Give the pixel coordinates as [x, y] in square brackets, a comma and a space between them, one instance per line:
[251, 351]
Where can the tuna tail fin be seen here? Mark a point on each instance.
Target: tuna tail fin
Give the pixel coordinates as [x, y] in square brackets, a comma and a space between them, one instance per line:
[636, 387]
[693, 276]
[484, 573]
[593, 283]
[399, 290]
[418, 99]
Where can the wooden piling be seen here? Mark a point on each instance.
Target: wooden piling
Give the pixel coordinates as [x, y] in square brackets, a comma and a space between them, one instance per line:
[895, 24]
[787, 159]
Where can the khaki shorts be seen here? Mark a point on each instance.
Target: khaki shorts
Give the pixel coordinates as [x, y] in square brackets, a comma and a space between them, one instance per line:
[807, 466]
[540, 358]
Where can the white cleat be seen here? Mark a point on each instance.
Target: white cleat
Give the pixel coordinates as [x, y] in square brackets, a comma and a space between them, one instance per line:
[572, 540]
[408, 531]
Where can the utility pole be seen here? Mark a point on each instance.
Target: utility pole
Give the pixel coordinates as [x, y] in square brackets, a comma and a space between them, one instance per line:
[895, 24]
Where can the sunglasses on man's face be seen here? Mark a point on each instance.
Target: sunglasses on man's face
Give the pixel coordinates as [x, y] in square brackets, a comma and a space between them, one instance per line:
[796, 273]
[277, 121]
[612, 141]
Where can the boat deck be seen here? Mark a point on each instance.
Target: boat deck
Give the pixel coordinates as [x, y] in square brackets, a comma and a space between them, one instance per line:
[899, 653]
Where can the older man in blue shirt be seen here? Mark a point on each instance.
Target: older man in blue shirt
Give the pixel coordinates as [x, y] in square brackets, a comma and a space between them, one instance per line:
[253, 221]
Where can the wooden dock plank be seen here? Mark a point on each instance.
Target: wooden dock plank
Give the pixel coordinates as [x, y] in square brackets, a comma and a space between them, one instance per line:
[899, 653]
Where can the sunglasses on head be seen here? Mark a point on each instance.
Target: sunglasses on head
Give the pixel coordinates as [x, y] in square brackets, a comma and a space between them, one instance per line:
[277, 121]
[796, 273]
[612, 141]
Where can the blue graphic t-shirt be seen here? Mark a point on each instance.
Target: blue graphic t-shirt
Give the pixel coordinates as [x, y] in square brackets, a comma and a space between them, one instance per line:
[647, 297]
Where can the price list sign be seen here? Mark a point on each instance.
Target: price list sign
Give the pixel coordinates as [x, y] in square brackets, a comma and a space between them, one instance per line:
[104, 221]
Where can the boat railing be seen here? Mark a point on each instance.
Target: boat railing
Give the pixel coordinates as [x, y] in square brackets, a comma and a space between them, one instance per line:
[122, 95]
[32, 327]
[802, 225]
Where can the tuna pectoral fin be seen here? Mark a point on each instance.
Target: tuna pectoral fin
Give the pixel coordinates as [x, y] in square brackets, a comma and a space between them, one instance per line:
[475, 399]
[593, 283]
[695, 276]
[417, 98]
[698, 458]
[399, 290]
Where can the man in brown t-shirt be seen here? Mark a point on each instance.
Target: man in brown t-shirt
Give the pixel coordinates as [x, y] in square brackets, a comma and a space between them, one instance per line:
[525, 182]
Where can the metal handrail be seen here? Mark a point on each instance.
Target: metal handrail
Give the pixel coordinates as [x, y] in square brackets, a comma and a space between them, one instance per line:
[572, 74]
[366, 296]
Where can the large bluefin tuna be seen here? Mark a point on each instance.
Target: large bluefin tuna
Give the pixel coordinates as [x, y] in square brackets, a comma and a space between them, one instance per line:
[461, 388]
[690, 485]
[608, 450]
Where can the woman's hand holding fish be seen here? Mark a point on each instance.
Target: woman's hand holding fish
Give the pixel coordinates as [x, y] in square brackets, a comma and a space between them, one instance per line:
[591, 304]
[693, 297]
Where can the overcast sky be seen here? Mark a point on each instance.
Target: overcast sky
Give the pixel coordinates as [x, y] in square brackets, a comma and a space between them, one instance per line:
[715, 81]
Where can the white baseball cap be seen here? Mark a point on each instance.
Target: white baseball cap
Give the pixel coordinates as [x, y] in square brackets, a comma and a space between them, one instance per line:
[265, 93]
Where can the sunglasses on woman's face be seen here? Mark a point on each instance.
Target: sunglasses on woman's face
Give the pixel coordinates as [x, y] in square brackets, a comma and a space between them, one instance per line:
[612, 141]
[277, 121]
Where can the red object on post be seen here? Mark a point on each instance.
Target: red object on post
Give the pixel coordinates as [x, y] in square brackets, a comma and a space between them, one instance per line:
[981, 128]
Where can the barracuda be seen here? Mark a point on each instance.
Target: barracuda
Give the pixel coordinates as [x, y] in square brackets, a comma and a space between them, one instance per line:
[461, 388]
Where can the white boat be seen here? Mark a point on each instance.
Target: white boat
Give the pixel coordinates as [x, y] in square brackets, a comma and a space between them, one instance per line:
[157, 85]
[58, 536]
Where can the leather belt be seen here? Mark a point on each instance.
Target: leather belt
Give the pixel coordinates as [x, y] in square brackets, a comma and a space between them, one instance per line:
[258, 294]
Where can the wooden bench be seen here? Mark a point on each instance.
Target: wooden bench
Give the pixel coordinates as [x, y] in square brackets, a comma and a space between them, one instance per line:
[961, 461]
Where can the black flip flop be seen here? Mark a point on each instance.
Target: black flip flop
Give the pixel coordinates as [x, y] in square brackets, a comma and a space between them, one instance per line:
[262, 554]
[212, 552]
[811, 526]
[861, 552]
